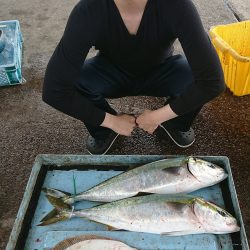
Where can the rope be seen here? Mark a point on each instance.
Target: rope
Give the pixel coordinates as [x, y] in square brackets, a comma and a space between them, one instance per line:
[72, 212]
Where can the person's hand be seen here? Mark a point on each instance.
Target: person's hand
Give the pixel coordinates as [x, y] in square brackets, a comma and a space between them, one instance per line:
[147, 121]
[124, 124]
[121, 124]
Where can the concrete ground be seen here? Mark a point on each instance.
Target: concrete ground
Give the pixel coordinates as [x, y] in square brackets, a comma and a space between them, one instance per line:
[30, 127]
[240, 8]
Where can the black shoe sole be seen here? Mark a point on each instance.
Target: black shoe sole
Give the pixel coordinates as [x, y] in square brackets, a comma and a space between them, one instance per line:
[107, 148]
[181, 146]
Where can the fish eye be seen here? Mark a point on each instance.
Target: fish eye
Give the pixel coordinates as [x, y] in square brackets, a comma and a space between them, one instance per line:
[222, 213]
[212, 166]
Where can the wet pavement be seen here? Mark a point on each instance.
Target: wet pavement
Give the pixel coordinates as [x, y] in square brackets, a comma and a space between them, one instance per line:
[30, 127]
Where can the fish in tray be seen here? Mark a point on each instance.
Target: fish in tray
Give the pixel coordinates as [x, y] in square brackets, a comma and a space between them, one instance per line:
[159, 214]
[91, 242]
[168, 176]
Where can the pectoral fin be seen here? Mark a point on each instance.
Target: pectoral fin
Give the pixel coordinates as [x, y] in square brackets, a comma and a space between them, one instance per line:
[172, 170]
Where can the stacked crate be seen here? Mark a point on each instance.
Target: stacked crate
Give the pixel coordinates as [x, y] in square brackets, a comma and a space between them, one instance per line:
[11, 54]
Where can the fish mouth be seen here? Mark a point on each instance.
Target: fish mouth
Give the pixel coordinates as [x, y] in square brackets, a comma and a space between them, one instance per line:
[233, 225]
[237, 229]
[231, 230]
[220, 175]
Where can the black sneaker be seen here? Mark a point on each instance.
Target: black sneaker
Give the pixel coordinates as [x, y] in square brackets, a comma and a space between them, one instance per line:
[100, 146]
[182, 139]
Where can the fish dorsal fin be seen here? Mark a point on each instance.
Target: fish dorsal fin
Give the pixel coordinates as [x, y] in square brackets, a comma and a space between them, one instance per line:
[172, 170]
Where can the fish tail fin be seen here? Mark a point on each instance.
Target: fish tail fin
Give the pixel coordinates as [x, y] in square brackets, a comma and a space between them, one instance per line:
[57, 193]
[50, 215]
[61, 211]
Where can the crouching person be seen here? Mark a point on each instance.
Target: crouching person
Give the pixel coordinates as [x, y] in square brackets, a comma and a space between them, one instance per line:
[135, 58]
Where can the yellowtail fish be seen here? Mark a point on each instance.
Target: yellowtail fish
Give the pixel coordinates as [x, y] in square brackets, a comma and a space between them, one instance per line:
[168, 176]
[159, 214]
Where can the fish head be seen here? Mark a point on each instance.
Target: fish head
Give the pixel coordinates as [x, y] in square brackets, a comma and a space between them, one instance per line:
[213, 218]
[206, 172]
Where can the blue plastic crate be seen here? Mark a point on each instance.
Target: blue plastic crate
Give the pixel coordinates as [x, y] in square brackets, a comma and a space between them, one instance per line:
[11, 56]
[58, 170]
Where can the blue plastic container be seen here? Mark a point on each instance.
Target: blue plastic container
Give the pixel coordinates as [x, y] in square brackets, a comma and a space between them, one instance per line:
[11, 54]
[2, 40]
[58, 171]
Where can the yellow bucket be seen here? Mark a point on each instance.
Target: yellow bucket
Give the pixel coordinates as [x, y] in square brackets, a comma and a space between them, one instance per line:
[232, 43]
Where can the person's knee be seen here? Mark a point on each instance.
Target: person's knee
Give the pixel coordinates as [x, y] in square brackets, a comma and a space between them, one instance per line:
[49, 96]
[87, 88]
[184, 71]
[55, 94]
[89, 83]
[182, 76]
[46, 93]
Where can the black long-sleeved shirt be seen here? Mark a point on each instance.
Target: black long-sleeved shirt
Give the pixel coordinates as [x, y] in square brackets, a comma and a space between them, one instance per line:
[98, 23]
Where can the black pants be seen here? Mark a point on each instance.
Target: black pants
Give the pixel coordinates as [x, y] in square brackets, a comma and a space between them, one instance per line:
[102, 79]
